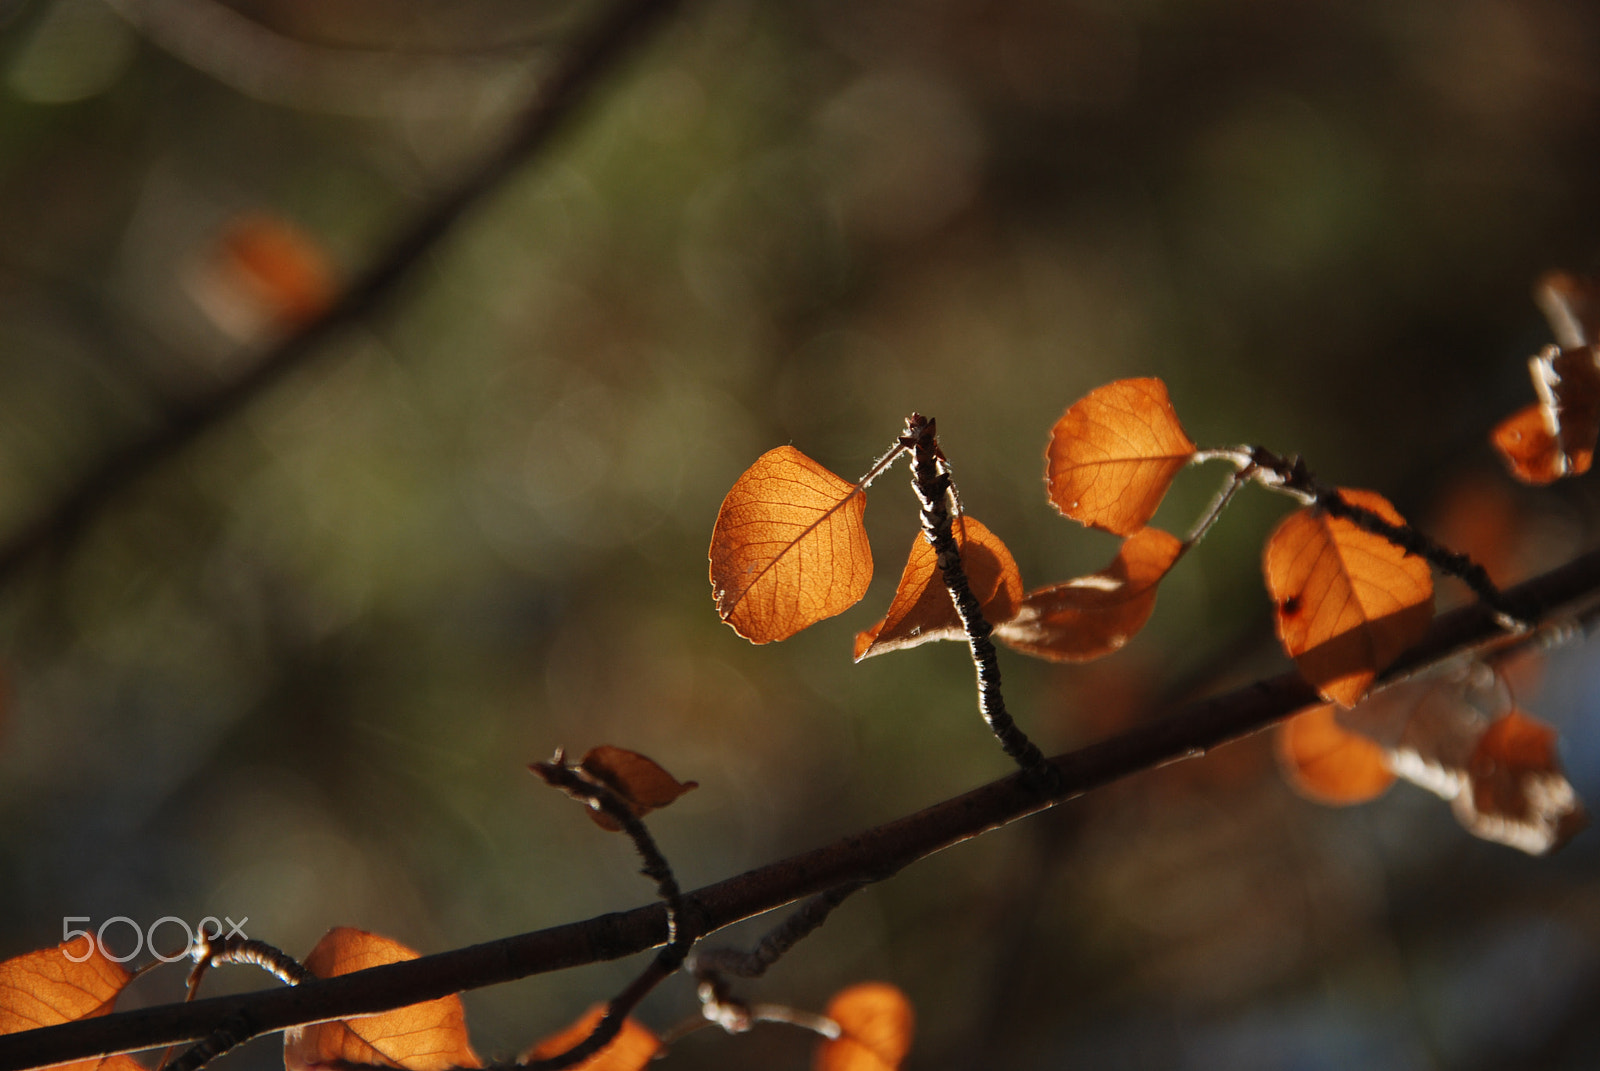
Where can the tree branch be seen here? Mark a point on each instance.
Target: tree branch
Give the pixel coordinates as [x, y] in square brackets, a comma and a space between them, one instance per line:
[570, 85]
[1187, 732]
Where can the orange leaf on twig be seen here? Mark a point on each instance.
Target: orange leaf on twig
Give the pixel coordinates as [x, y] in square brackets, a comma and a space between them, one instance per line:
[1561, 441]
[789, 547]
[1096, 614]
[641, 782]
[875, 1023]
[1347, 602]
[1516, 793]
[1114, 453]
[1456, 735]
[922, 609]
[632, 1048]
[1328, 763]
[430, 1036]
[74, 980]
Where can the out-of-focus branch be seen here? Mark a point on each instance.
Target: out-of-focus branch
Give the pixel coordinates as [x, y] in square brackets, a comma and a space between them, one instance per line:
[595, 54]
[1187, 732]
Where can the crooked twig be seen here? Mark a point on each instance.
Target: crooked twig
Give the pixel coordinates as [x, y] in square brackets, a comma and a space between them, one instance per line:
[1291, 476]
[580, 785]
[931, 479]
[1188, 731]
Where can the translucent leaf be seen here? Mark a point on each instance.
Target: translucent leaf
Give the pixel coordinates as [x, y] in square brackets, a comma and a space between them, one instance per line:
[1527, 446]
[1457, 736]
[1347, 602]
[875, 1022]
[1561, 440]
[47, 988]
[1517, 794]
[1328, 763]
[789, 547]
[267, 273]
[633, 1048]
[641, 782]
[1094, 615]
[922, 609]
[1113, 455]
[430, 1036]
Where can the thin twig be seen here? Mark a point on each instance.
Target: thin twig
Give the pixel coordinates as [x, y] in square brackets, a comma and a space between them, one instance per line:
[931, 479]
[586, 63]
[1186, 732]
[581, 785]
[778, 941]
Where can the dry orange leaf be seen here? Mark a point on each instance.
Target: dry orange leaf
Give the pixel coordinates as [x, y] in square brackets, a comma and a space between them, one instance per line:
[278, 265]
[1527, 446]
[1516, 793]
[1113, 455]
[1347, 602]
[789, 547]
[641, 782]
[875, 1023]
[48, 987]
[632, 1048]
[1096, 614]
[1328, 763]
[1456, 735]
[922, 609]
[430, 1036]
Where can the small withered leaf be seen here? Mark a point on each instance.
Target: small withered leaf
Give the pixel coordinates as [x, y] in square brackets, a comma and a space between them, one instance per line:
[631, 1050]
[1328, 763]
[1516, 792]
[430, 1036]
[641, 782]
[922, 609]
[1114, 453]
[1094, 615]
[789, 547]
[1347, 601]
[876, 1023]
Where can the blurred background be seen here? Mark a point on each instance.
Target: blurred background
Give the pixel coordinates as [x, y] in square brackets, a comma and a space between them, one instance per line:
[295, 675]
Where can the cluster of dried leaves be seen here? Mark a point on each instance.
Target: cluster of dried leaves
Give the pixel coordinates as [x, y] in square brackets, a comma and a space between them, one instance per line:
[790, 549]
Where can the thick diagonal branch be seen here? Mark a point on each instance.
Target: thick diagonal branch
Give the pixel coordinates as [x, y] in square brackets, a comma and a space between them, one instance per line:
[1186, 732]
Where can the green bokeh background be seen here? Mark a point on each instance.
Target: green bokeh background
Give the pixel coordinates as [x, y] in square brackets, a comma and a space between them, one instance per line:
[297, 675]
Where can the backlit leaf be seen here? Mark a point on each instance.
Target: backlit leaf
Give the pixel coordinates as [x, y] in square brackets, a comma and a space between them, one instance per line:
[1456, 734]
[641, 782]
[1347, 602]
[1328, 763]
[1516, 793]
[1114, 453]
[922, 609]
[47, 988]
[1527, 447]
[875, 1022]
[1096, 614]
[632, 1048]
[266, 273]
[789, 547]
[429, 1036]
